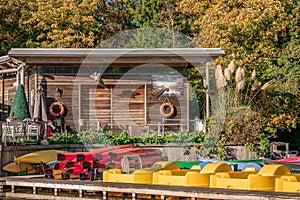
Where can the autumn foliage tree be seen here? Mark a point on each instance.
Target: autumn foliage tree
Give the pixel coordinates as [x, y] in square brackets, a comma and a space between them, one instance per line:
[255, 31]
[262, 35]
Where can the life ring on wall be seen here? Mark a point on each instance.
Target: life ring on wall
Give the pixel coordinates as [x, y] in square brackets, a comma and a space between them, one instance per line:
[163, 108]
[61, 109]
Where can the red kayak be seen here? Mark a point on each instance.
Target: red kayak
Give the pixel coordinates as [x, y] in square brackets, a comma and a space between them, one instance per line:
[86, 156]
[288, 160]
[69, 164]
[110, 148]
[147, 161]
[78, 156]
[117, 155]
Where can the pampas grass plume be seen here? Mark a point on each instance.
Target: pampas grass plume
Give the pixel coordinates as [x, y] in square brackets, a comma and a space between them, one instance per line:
[240, 85]
[255, 85]
[239, 74]
[253, 75]
[220, 79]
[227, 74]
[265, 86]
[231, 66]
[240, 78]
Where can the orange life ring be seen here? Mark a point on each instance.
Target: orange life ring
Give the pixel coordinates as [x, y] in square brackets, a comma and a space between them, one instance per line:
[61, 109]
[162, 109]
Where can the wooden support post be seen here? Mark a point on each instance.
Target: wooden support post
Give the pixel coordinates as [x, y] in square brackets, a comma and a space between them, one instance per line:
[162, 197]
[80, 193]
[133, 195]
[152, 197]
[13, 189]
[17, 79]
[104, 195]
[187, 106]
[34, 190]
[22, 75]
[55, 192]
[158, 128]
[2, 183]
[129, 127]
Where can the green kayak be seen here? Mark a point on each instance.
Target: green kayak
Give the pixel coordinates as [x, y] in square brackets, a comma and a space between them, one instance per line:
[246, 160]
[186, 164]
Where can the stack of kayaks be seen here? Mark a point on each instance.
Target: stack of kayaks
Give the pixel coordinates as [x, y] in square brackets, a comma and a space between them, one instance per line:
[88, 165]
[84, 165]
[75, 165]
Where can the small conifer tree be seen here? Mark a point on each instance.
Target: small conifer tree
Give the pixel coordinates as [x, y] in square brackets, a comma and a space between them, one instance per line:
[19, 107]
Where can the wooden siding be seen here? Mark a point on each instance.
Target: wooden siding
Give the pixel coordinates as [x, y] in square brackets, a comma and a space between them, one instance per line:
[128, 105]
[95, 104]
[128, 102]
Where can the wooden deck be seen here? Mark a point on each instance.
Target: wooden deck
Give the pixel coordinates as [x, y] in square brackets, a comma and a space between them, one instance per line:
[41, 188]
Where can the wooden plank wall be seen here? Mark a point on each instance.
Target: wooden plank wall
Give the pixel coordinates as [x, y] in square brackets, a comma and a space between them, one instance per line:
[127, 108]
[95, 104]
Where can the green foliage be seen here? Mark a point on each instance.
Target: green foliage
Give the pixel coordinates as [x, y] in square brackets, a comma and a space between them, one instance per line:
[64, 138]
[208, 146]
[264, 141]
[221, 149]
[264, 35]
[251, 147]
[149, 37]
[162, 13]
[283, 100]
[19, 107]
[107, 138]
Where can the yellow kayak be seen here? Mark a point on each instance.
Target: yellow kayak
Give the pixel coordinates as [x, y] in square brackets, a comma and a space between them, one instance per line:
[37, 157]
[16, 167]
[164, 165]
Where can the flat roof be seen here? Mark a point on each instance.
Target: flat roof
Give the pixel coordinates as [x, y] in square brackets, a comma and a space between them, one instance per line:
[69, 56]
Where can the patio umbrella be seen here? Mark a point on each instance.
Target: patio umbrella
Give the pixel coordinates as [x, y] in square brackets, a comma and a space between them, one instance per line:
[40, 112]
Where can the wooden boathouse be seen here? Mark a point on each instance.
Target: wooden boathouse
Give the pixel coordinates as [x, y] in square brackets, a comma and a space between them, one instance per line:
[139, 90]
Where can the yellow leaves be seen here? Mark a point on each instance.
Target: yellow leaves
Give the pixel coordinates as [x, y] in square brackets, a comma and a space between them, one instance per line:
[60, 23]
[281, 122]
[237, 26]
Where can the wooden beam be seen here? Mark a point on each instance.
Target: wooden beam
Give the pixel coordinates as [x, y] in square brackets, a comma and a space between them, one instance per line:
[158, 190]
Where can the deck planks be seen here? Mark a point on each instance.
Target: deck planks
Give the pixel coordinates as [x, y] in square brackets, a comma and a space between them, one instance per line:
[134, 189]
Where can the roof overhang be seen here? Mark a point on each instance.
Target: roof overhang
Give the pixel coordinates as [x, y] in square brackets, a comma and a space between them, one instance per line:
[56, 57]
[10, 65]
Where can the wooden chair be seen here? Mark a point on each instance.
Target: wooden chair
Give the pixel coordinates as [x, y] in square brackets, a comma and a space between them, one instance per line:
[33, 130]
[13, 129]
[7, 131]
